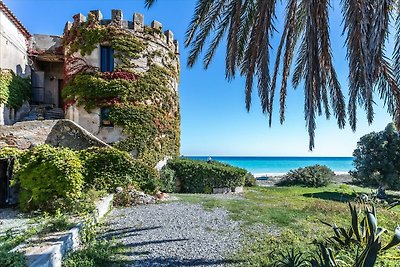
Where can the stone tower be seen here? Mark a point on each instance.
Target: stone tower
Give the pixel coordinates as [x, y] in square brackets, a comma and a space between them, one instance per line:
[121, 83]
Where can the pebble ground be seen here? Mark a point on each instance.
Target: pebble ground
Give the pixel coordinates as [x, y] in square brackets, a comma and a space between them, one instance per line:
[174, 234]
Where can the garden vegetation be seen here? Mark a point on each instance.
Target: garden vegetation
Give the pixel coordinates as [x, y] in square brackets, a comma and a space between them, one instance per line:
[194, 176]
[51, 178]
[310, 176]
[377, 158]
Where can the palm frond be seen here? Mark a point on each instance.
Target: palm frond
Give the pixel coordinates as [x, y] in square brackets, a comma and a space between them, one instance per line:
[149, 3]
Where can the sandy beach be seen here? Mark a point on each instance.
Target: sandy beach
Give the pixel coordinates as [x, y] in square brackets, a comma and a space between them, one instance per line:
[277, 174]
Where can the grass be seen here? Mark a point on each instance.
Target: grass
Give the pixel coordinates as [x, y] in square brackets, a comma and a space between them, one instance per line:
[98, 253]
[277, 219]
[37, 226]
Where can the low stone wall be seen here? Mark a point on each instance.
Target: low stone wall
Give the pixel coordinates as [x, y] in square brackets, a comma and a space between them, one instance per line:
[63, 133]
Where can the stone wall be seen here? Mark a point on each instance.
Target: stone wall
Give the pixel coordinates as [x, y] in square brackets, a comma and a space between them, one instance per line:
[13, 47]
[13, 56]
[63, 133]
[160, 49]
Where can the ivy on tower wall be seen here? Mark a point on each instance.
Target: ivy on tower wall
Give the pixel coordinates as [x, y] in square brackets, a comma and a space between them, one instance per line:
[145, 104]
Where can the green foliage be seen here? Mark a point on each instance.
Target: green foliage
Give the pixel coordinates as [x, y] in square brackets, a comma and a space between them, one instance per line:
[10, 152]
[376, 159]
[109, 168]
[250, 180]
[52, 178]
[364, 233]
[106, 168]
[143, 108]
[96, 254]
[14, 90]
[311, 176]
[85, 38]
[49, 178]
[291, 258]
[196, 176]
[168, 180]
[146, 177]
[14, 259]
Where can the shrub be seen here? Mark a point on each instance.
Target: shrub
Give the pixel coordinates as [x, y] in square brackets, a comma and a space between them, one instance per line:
[146, 177]
[311, 176]
[107, 168]
[376, 159]
[49, 177]
[9, 152]
[201, 177]
[96, 254]
[14, 259]
[250, 180]
[168, 180]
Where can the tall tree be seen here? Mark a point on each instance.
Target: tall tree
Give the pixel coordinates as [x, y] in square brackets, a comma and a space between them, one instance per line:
[248, 26]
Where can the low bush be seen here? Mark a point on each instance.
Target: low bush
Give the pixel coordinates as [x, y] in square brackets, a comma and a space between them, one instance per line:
[49, 178]
[106, 168]
[196, 176]
[146, 177]
[311, 176]
[109, 168]
[14, 259]
[250, 180]
[168, 180]
[97, 254]
[376, 159]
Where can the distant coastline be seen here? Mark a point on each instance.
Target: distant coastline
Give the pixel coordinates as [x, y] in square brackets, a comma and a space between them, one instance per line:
[280, 165]
[277, 174]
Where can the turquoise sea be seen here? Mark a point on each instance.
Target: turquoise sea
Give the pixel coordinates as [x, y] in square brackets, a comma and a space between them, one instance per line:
[263, 165]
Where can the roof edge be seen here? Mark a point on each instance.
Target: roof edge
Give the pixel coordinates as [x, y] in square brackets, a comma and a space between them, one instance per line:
[10, 15]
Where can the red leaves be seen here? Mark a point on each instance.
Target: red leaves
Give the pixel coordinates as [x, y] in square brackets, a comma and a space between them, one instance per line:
[125, 75]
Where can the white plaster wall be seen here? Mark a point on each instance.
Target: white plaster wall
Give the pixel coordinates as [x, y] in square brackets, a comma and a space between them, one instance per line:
[13, 47]
[91, 122]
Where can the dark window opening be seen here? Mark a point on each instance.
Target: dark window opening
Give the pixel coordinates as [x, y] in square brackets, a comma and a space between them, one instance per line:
[105, 118]
[107, 59]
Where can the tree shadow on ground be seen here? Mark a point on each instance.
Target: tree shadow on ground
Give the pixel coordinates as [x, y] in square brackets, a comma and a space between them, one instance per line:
[173, 262]
[334, 196]
[144, 243]
[125, 232]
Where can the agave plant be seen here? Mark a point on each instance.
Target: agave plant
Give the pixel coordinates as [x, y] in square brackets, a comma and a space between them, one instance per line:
[291, 258]
[365, 233]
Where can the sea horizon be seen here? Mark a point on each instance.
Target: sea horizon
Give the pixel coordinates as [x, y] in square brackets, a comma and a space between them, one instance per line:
[276, 165]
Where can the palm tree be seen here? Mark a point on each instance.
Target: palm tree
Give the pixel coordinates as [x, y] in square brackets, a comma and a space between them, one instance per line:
[248, 26]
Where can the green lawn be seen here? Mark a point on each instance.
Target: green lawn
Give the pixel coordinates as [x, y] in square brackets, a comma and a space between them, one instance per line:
[276, 219]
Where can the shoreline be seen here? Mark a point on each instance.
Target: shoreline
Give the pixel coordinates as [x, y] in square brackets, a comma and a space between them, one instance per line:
[276, 174]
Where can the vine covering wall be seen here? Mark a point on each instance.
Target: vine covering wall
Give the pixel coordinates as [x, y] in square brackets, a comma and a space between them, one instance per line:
[14, 90]
[143, 101]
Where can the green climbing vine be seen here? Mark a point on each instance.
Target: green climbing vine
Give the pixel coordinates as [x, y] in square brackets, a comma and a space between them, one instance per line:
[143, 104]
[14, 90]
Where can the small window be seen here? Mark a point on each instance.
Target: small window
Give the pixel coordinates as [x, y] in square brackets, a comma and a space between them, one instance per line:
[105, 118]
[106, 59]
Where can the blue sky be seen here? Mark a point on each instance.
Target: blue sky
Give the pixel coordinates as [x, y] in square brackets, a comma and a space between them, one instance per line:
[214, 118]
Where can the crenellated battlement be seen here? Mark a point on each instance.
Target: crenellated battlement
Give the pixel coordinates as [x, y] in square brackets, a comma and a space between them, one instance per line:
[135, 25]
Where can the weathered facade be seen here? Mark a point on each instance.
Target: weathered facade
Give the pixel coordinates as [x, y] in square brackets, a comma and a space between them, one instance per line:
[158, 47]
[116, 78]
[14, 38]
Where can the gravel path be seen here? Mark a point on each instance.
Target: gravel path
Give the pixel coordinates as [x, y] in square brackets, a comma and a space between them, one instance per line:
[13, 219]
[174, 234]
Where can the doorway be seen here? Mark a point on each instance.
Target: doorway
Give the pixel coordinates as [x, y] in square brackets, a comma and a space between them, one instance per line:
[60, 88]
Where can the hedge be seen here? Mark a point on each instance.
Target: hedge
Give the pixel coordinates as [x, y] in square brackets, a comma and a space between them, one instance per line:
[194, 176]
[310, 176]
[51, 178]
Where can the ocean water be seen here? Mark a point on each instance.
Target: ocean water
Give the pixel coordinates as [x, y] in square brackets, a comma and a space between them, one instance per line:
[264, 165]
